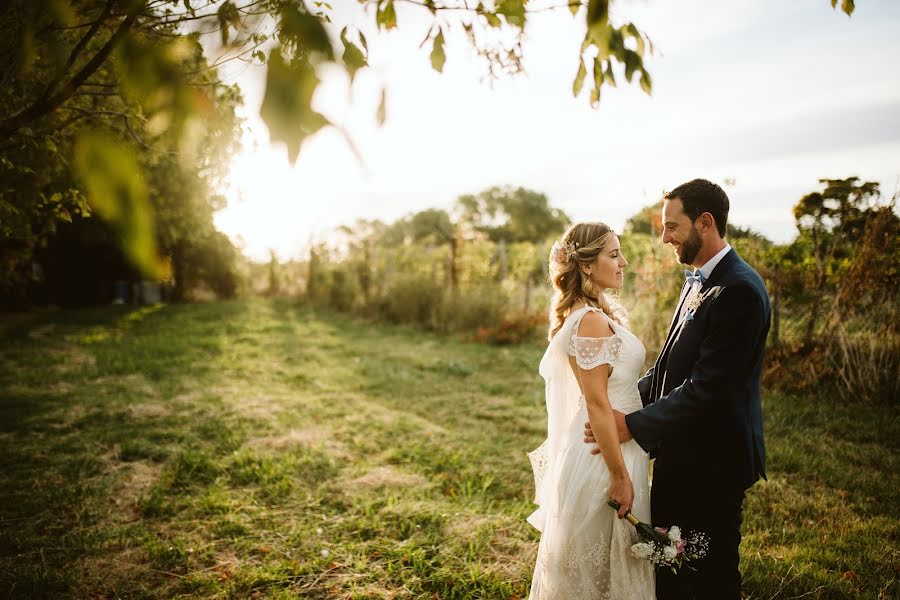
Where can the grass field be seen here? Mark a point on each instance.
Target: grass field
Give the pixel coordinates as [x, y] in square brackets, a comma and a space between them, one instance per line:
[261, 449]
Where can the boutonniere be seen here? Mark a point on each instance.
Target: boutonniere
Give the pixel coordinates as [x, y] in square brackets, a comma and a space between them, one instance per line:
[695, 299]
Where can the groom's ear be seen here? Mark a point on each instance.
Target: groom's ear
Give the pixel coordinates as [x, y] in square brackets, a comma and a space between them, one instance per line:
[706, 222]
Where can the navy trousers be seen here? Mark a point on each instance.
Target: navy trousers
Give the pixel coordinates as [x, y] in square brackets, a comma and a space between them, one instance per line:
[706, 504]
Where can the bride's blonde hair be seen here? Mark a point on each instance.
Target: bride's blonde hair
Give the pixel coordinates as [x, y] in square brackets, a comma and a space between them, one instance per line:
[579, 247]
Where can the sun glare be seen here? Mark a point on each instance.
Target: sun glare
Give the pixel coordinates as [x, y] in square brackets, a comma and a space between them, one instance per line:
[276, 206]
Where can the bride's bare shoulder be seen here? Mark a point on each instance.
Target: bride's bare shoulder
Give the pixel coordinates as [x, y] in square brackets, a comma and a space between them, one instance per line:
[594, 324]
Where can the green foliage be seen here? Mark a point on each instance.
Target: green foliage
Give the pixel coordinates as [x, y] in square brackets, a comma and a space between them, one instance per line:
[386, 16]
[647, 221]
[303, 35]
[438, 58]
[136, 69]
[354, 58]
[274, 277]
[286, 106]
[145, 102]
[153, 74]
[116, 191]
[514, 215]
[454, 274]
[848, 6]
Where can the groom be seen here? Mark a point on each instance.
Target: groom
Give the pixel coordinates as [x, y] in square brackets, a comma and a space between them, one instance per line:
[702, 418]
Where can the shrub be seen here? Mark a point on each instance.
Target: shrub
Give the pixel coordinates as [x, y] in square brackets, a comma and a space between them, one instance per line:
[469, 309]
[513, 329]
[412, 298]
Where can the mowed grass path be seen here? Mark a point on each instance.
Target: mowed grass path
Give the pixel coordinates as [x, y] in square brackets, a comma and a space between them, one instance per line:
[262, 449]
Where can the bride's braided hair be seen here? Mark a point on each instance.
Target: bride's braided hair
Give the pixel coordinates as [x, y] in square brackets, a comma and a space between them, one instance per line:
[579, 247]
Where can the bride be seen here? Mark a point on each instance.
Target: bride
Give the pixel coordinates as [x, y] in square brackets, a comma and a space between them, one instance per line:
[591, 366]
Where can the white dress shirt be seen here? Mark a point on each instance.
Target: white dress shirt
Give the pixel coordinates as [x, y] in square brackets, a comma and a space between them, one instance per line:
[706, 270]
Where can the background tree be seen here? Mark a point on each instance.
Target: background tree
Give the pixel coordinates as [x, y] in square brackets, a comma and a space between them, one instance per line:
[80, 76]
[830, 223]
[515, 216]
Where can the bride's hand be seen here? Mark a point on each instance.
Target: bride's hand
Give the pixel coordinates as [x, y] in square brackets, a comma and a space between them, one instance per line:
[621, 490]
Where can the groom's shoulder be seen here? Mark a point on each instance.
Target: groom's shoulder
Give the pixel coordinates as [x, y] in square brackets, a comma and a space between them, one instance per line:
[742, 271]
[744, 275]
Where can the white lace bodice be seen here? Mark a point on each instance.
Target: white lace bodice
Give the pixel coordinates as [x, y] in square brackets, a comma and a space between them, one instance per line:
[622, 351]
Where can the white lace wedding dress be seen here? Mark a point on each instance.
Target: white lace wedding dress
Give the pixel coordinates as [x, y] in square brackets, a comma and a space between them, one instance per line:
[585, 549]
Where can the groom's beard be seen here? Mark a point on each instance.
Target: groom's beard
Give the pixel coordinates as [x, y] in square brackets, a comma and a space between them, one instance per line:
[690, 247]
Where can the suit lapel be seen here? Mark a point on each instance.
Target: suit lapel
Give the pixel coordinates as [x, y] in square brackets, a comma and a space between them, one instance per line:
[685, 292]
[659, 373]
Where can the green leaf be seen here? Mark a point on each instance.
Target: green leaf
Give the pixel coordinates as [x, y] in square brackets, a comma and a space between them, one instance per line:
[386, 16]
[848, 6]
[381, 115]
[513, 10]
[353, 57]
[61, 12]
[616, 44]
[608, 77]
[632, 30]
[153, 75]
[287, 103]
[438, 58]
[646, 82]
[597, 12]
[491, 17]
[228, 16]
[632, 63]
[303, 30]
[573, 8]
[601, 35]
[834, 3]
[597, 72]
[116, 191]
[579, 78]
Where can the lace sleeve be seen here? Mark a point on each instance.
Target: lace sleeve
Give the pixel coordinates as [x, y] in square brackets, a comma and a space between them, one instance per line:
[591, 352]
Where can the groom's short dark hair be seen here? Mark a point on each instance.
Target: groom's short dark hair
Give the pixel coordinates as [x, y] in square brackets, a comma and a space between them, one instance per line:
[699, 196]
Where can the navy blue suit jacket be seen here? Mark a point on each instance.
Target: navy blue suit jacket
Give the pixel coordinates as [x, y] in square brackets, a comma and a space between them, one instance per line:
[702, 414]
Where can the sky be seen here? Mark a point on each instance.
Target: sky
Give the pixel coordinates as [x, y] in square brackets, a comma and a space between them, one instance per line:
[768, 96]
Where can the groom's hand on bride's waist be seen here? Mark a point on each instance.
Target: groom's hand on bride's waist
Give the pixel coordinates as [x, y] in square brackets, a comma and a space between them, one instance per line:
[621, 427]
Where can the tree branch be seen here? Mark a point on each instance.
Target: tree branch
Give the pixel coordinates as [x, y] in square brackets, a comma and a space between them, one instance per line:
[73, 56]
[45, 105]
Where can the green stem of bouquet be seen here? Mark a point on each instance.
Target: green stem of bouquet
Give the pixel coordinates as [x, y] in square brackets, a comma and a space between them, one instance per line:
[645, 531]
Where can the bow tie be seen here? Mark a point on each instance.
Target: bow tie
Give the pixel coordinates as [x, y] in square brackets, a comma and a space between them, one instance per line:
[692, 276]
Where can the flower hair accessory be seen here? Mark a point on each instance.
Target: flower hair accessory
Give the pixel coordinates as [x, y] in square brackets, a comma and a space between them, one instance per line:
[562, 252]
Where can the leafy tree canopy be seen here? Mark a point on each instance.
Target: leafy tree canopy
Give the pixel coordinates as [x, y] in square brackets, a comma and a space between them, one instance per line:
[81, 76]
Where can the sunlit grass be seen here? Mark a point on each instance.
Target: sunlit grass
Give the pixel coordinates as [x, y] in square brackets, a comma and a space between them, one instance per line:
[258, 448]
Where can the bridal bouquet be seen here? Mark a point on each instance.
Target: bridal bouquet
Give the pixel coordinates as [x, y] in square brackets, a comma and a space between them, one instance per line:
[665, 547]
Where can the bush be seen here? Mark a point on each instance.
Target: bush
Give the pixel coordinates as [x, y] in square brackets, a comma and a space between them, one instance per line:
[513, 329]
[470, 309]
[344, 290]
[414, 299]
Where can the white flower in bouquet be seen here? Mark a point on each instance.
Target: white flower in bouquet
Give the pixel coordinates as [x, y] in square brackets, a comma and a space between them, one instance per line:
[665, 547]
[675, 533]
[642, 550]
